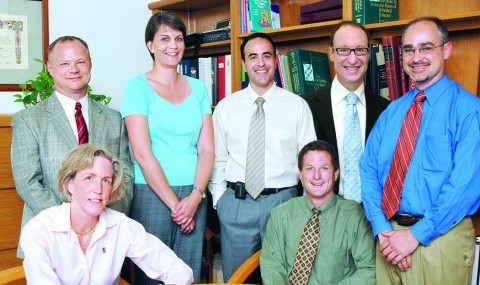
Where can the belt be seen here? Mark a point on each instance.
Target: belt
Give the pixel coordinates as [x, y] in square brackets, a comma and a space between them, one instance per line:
[266, 191]
[406, 220]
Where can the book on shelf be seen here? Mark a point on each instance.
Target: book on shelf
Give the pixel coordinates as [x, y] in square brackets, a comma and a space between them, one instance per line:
[288, 78]
[228, 75]
[221, 77]
[214, 74]
[374, 11]
[275, 10]
[321, 6]
[392, 65]
[205, 74]
[245, 80]
[260, 15]
[320, 16]
[223, 24]
[194, 67]
[371, 76]
[216, 35]
[309, 70]
[280, 70]
[382, 74]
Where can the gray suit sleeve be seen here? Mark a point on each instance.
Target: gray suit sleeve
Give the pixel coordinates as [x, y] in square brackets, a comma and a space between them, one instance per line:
[27, 169]
[123, 205]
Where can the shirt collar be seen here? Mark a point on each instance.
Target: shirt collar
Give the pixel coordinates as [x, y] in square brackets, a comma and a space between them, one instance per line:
[68, 103]
[325, 207]
[339, 92]
[434, 91]
[270, 92]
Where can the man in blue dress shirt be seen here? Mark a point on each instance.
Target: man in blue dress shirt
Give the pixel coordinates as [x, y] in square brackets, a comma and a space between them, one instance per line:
[430, 238]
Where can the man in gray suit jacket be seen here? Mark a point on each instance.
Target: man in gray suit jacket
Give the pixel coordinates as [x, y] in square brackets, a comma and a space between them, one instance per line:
[349, 52]
[45, 133]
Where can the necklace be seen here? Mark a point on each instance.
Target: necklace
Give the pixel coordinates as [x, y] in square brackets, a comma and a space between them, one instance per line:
[79, 233]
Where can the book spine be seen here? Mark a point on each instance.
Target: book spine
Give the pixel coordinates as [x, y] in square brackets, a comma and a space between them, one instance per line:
[287, 73]
[214, 78]
[392, 65]
[371, 78]
[228, 75]
[403, 77]
[280, 71]
[320, 6]
[194, 67]
[382, 74]
[359, 11]
[321, 16]
[221, 77]
[294, 63]
[275, 9]
[205, 74]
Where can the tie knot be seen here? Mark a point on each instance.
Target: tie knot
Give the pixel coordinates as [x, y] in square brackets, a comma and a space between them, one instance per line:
[420, 97]
[78, 106]
[351, 99]
[315, 211]
[260, 102]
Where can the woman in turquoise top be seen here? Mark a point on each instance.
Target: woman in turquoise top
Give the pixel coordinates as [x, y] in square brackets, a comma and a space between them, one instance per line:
[169, 124]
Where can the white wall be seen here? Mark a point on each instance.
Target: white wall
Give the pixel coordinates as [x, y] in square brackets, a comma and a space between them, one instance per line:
[114, 31]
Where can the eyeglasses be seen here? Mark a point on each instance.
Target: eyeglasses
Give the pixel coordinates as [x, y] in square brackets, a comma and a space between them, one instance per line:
[424, 50]
[346, 51]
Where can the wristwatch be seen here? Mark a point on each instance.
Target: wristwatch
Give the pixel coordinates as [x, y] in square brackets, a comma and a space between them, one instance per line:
[202, 192]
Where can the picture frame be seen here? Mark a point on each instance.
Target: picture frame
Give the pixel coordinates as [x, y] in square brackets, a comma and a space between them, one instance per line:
[23, 37]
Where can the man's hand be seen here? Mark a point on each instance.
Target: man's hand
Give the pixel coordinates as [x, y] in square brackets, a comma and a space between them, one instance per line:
[397, 247]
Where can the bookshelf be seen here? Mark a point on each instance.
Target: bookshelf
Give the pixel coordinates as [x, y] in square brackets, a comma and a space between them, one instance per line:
[461, 16]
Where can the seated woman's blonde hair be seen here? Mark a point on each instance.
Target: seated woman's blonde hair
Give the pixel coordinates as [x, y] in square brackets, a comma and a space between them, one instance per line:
[81, 158]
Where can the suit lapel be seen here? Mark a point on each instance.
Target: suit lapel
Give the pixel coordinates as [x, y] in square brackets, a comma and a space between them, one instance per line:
[371, 115]
[96, 122]
[326, 115]
[58, 119]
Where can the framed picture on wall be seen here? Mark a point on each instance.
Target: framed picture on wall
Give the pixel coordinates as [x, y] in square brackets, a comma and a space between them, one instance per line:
[23, 37]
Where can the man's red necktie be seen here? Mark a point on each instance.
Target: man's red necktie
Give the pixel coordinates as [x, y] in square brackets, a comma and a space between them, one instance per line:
[402, 156]
[81, 124]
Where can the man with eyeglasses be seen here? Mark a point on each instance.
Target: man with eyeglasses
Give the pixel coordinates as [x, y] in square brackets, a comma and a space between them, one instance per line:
[420, 169]
[345, 111]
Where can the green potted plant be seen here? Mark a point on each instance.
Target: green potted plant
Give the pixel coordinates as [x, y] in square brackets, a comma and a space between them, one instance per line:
[40, 88]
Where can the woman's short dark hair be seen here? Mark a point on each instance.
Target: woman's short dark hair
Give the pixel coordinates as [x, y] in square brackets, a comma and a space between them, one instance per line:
[163, 18]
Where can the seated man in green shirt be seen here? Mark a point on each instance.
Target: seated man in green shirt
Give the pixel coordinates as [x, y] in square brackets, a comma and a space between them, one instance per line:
[339, 237]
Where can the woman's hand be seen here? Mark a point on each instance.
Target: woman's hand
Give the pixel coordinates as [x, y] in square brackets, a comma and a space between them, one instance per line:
[184, 212]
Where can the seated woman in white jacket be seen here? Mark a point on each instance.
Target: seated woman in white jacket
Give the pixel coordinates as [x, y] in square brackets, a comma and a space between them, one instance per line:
[82, 241]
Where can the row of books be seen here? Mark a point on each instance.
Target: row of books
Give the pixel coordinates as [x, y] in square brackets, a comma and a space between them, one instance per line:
[300, 71]
[259, 15]
[214, 71]
[385, 74]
